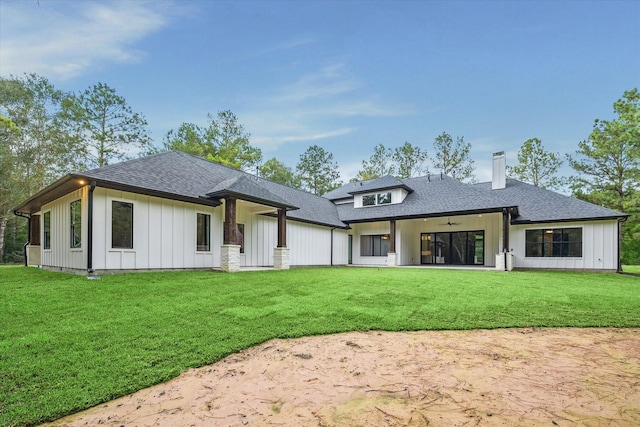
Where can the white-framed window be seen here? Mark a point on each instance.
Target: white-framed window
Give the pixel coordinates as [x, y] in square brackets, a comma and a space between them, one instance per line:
[46, 230]
[75, 223]
[121, 225]
[203, 232]
[375, 199]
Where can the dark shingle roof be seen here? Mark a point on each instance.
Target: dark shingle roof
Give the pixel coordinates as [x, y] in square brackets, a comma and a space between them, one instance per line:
[386, 182]
[436, 195]
[249, 188]
[540, 205]
[182, 175]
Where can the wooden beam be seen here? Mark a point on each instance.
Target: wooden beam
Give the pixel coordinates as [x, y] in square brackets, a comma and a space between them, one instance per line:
[282, 228]
[230, 236]
[392, 236]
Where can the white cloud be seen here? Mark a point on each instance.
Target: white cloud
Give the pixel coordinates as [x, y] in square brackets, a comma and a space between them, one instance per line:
[272, 142]
[61, 40]
[312, 107]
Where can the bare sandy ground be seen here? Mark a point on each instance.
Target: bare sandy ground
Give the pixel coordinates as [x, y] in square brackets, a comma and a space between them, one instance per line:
[512, 377]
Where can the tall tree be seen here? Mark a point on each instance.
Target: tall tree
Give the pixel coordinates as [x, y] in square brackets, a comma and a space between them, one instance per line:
[537, 166]
[317, 170]
[276, 171]
[453, 158]
[608, 167]
[224, 141]
[409, 160]
[608, 161]
[379, 164]
[105, 125]
[34, 149]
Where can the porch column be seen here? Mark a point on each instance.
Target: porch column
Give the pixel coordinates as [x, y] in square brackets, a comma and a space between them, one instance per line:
[281, 252]
[392, 257]
[230, 250]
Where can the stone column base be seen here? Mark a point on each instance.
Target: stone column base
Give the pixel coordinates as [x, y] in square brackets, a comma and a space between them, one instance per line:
[392, 259]
[281, 258]
[500, 261]
[230, 258]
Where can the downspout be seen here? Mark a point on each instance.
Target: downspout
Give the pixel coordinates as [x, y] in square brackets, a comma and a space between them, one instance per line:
[92, 187]
[505, 236]
[28, 242]
[620, 222]
[333, 228]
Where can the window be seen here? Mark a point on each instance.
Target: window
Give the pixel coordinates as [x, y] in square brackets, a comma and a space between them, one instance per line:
[376, 199]
[554, 242]
[46, 225]
[384, 198]
[121, 225]
[76, 223]
[374, 245]
[369, 200]
[203, 232]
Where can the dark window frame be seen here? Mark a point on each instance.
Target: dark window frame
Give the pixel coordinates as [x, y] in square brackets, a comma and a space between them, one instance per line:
[374, 245]
[46, 230]
[75, 224]
[203, 232]
[121, 238]
[439, 250]
[557, 242]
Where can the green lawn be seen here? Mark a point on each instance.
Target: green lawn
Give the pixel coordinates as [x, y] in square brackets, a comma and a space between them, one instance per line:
[68, 343]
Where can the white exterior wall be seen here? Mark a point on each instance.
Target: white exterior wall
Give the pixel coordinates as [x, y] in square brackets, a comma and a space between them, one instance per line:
[369, 228]
[599, 246]
[408, 236]
[308, 244]
[61, 255]
[164, 234]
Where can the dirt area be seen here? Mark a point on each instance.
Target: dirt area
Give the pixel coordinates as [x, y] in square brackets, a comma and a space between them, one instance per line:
[509, 377]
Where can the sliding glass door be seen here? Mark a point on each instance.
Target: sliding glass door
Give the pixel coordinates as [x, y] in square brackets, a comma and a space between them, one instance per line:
[453, 248]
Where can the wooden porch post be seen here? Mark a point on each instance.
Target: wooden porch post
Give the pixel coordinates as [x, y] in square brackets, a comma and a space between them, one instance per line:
[230, 237]
[392, 236]
[282, 228]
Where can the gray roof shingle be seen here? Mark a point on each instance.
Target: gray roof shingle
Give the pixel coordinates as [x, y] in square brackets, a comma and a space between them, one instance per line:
[436, 195]
[183, 175]
[537, 204]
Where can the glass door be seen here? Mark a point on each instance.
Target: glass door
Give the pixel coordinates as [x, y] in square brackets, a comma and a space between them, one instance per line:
[452, 248]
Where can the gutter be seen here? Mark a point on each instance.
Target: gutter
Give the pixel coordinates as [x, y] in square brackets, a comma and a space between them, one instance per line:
[92, 187]
[28, 242]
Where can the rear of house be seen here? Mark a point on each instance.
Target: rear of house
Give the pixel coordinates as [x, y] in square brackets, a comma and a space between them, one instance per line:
[175, 211]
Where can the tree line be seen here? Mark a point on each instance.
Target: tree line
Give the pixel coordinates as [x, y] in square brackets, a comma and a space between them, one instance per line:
[46, 133]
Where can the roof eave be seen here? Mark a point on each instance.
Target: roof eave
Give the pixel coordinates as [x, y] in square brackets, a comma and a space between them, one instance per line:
[549, 221]
[223, 194]
[427, 215]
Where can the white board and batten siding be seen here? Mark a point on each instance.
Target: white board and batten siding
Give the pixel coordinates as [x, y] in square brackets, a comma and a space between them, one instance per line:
[308, 244]
[599, 247]
[164, 234]
[61, 254]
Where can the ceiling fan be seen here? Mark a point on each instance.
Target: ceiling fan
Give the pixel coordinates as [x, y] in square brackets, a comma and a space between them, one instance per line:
[449, 223]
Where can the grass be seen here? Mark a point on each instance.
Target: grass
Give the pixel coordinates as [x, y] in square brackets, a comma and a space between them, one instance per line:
[68, 343]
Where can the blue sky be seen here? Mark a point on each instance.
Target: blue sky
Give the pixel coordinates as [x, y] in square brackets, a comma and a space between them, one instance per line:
[345, 75]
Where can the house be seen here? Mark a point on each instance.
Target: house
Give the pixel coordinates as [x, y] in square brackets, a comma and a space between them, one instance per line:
[176, 211]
